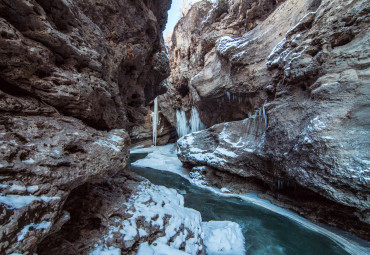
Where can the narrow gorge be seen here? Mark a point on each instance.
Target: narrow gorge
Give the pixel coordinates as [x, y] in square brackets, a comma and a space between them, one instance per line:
[259, 108]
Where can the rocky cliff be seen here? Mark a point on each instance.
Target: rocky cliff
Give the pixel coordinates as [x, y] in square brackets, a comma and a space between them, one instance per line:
[75, 77]
[193, 51]
[295, 81]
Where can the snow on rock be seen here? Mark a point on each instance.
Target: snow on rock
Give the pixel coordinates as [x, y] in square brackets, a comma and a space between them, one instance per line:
[17, 201]
[33, 227]
[99, 250]
[154, 213]
[223, 237]
[164, 208]
[159, 249]
[224, 146]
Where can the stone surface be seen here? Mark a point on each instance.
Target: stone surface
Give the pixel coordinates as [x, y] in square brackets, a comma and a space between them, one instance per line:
[99, 62]
[202, 76]
[122, 214]
[42, 160]
[308, 64]
[75, 77]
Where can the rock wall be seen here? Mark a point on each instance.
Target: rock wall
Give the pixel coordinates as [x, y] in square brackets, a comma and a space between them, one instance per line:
[305, 70]
[199, 75]
[75, 77]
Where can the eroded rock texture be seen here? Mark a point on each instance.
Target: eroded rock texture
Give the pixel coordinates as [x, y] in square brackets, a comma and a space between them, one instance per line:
[200, 76]
[74, 79]
[125, 213]
[308, 64]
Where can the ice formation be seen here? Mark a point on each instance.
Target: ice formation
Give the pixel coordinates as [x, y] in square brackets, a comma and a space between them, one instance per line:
[161, 158]
[195, 123]
[154, 116]
[184, 127]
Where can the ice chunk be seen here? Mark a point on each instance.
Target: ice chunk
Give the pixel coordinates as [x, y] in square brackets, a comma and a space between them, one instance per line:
[163, 158]
[223, 237]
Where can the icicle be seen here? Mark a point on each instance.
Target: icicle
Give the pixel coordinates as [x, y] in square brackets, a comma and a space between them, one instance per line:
[264, 115]
[195, 123]
[155, 121]
[228, 95]
[182, 126]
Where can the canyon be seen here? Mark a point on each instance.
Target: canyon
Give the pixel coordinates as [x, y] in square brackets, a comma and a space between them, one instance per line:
[286, 100]
[266, 95]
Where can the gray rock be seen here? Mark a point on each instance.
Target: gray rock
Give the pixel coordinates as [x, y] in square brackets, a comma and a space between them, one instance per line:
[42, 160]
[75, 77]
[315, 56]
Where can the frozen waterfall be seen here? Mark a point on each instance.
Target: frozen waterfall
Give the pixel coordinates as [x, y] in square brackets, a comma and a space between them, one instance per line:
[184, 127]
[195, 123]
[154, 116]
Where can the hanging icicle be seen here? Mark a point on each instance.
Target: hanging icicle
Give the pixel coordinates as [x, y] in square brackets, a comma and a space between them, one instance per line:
[195, 123]
[155, 121]
[184, 127]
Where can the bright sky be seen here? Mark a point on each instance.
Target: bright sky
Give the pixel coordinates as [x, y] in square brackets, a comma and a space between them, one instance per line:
[174, 14]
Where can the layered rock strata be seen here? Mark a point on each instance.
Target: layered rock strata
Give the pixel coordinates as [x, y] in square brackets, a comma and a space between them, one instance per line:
[75, 77]
[307, 67]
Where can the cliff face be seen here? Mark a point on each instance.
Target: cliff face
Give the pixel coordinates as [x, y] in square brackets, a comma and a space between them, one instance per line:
[193, 51]
[73, 75]
[305, 69]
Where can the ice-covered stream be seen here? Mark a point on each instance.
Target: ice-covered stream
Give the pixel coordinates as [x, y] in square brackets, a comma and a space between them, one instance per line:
[267, 228]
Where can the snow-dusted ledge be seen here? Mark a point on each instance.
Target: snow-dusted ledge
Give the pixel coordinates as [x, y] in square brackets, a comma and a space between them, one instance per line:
[160, 222]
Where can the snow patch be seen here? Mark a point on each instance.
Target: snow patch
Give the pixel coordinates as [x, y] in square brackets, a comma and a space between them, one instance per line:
[29, 161]
[16, 187]
[32, 189]
[225, 152]
[159, 249]
[100, 250]
[223, 237]
[107, 144]
[17, 201]
[26, 229]
[162, 207]
[115, 138]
